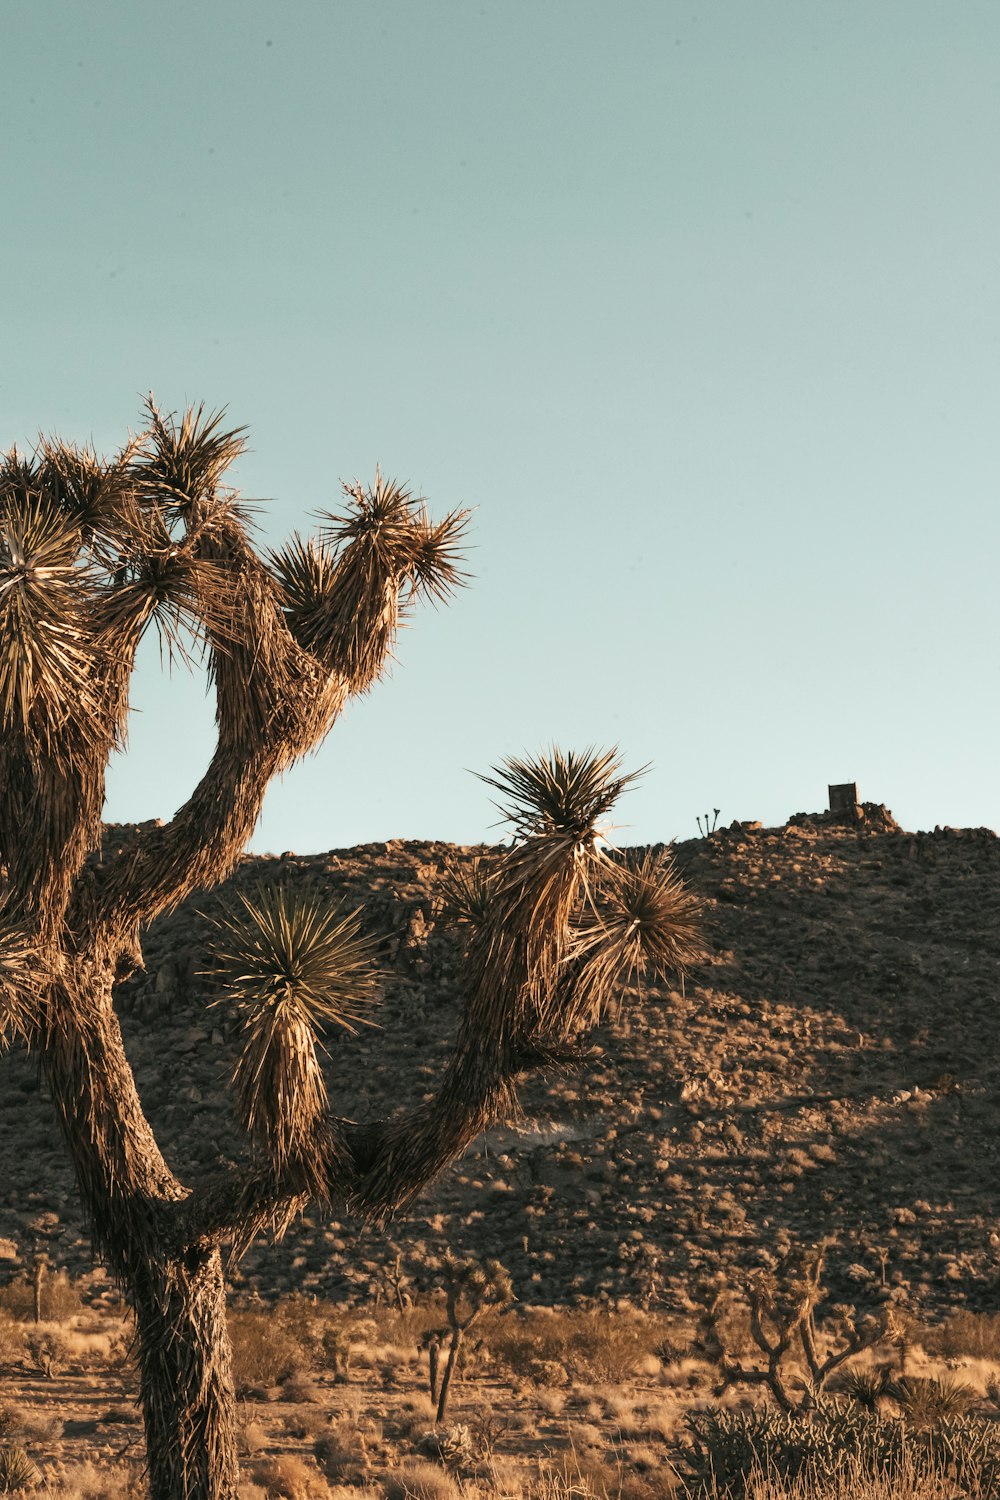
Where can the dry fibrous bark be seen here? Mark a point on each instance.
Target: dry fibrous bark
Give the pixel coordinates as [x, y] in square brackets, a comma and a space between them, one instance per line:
[93, 552]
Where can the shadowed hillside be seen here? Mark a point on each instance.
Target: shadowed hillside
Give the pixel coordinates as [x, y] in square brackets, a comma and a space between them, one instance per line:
[831, 1071]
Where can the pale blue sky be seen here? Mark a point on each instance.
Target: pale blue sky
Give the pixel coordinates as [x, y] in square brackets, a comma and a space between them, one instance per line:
[697, 304]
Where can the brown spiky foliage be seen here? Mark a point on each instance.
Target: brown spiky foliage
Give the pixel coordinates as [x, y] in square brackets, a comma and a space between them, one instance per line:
[94, 552]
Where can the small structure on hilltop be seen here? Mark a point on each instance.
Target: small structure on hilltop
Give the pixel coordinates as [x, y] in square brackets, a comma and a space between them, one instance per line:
[844, 797]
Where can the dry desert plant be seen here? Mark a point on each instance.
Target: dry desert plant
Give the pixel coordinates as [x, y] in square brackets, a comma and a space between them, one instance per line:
[783, 1326]
[472, 1288]
[93, 552]
[18, 1472]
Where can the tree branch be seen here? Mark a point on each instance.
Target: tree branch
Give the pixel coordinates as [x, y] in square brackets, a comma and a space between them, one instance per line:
[274, 701]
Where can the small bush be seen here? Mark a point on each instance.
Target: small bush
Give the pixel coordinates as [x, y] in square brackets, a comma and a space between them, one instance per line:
[60, 1298]
[11, 1339]
[590, 1346]
[339, 1454]
[11, 1423]
[87, 1481]
[264, 1352]
[287, 1478]
[975, 1334]
[725, 1448]
[17, 1471]
[421, 1481]
[250, 1438]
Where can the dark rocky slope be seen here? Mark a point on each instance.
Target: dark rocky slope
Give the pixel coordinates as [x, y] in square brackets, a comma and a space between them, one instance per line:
[832, 1071]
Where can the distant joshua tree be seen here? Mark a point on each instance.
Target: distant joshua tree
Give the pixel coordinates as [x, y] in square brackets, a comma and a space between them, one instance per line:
[92, 552]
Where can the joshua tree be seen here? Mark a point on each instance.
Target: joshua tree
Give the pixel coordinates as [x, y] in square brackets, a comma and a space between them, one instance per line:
[472, 1288]
[783, 1325]
[93, 551]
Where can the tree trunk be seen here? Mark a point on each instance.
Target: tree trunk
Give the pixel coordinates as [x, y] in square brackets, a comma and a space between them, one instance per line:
[449, 1370]
[176, 1293]
[433, 1361]
[37, 1287]
[185, 1361]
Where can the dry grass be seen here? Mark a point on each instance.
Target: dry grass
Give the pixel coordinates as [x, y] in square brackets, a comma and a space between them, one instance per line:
[11, 1339]
[265, 1350]
[588, 1345]
[421, 1481]
[91, 1481]
[288, 1477]
[859, 1485]
[316, 1434]
[60, 1298]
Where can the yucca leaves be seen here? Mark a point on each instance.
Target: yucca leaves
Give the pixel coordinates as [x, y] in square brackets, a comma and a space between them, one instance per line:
[18, 1472]
[468, 892]
[560, 793]
[292, 965]
[559, 925]
[306, 571]
[638, 918]
[47, 653]
[436, 554]
[96, 495]
[386, 552]
[650, 920]
[167, 585]
[182, 463]
[22, 979]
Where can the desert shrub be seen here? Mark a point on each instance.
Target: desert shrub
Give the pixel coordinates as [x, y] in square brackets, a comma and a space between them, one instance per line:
[60, 1298]
[89, 1481]
[334, 1455]
[335, 1349]
[926, 1400]
[11, 1423]
[724, 1449]
[11, 1338]
[303, 1320]
[17, 1471]
[452, 1445]
[264, 1351]
[47, 1349]
[287, 1477]
[342, 1453]
[588, 1345]
[966, 1333]
[390, 1326]
[251, 1437]
[420, 1481]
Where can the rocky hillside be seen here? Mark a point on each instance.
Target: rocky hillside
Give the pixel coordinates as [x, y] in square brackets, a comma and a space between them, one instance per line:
[831, 1071]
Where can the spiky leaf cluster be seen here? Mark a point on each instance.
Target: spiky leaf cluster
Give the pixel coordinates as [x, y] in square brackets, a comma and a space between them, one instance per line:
[558, 924]
[22, 978]
[89, 558]
[293, 967]
[561, 794]
[347, 592]
[182, 463]
[473, 1287]
[47, 650]
[467, 891]
[18, 1471]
